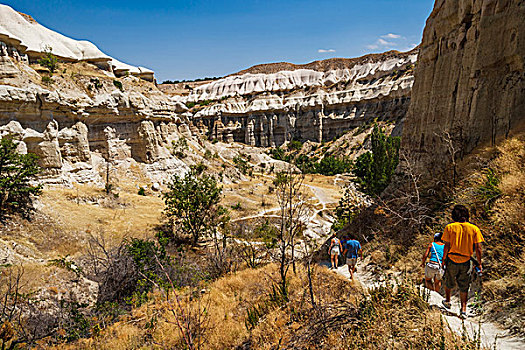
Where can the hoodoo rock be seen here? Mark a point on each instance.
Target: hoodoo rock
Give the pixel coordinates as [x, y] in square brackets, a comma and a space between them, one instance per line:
[469, 85]
[268, 105]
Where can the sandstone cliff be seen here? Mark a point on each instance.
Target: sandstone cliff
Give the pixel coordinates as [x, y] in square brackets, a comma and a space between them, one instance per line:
[268, 105]
[469, 85]
[26, 39]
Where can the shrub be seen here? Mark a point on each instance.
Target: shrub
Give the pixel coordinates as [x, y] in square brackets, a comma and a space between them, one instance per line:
[295, 145]
[331, 165]
[237, 206]
[192, 204]
[118, 85]
[180, 147]
[49, 60]
[47, 80]
[489, 191]
[141, 191]
[241, 164]
[17, 171]
[96, 83]
[277, 153]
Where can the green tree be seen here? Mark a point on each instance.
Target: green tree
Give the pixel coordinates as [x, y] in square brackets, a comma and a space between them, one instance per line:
[374, 169]
[49, 60]
[17, 171]
[192, 204]
[331, 165]
[346, 210]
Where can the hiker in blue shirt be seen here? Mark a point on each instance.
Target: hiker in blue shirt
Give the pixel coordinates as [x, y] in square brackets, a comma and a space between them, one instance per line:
[433, 270]
[353, 251]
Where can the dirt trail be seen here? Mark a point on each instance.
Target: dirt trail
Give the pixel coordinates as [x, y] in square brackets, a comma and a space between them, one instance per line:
[492, 335]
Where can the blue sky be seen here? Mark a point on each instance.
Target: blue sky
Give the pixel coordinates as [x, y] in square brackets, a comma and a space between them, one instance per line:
[197, 38]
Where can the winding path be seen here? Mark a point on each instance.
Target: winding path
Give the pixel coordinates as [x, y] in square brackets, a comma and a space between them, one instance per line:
[492, 336]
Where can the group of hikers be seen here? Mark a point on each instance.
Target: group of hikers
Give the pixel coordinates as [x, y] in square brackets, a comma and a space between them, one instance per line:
[352, 250]
[449, 257]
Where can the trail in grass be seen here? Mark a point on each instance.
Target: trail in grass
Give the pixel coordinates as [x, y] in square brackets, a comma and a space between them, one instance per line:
[492, 336]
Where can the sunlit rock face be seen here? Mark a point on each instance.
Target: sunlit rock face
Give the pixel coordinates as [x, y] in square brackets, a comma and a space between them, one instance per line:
[469, 85]
[25, 39]
[316, 102]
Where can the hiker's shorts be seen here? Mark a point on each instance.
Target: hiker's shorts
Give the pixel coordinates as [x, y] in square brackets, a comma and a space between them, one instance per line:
[351, 262]
[459, 273]
[432, 272]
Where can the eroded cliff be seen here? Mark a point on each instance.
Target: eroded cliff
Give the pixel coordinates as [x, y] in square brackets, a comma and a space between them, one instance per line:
[269, 105]
[469, 85]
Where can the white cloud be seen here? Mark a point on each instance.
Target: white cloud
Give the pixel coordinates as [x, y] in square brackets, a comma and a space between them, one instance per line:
[391, 36]
[325, 50]
[385, 43]
[372, 46]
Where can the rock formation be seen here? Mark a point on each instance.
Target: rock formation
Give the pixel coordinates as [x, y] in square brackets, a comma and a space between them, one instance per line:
[317, 102]
[469, 85]
[25, 39]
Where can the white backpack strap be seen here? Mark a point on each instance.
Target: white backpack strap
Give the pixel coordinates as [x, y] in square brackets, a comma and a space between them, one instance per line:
[435, 251]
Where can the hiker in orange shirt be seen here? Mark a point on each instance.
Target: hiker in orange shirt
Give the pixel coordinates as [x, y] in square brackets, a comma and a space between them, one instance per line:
[461, 239]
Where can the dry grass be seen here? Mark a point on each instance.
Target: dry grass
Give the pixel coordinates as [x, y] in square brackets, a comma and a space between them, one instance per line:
[342, 312]
[68, 216]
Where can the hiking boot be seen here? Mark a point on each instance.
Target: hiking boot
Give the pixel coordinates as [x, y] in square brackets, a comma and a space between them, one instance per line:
[446, 304]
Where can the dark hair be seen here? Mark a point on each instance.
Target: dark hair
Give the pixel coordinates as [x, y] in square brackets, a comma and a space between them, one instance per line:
[460, 213]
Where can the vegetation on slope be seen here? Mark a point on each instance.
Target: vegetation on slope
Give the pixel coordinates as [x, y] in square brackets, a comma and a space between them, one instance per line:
[17, 172]
[243, 311]
[491, 183]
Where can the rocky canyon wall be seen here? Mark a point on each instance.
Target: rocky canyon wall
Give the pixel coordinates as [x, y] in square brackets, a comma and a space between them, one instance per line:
[469, 85]
[316, 102]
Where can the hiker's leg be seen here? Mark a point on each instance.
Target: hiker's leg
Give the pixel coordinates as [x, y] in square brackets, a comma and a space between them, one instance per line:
[336, 259]
[428, 283]
[437, 285]
[449, 279]
[463, 279]
[448, 291]
[463, 297]
[332, 260]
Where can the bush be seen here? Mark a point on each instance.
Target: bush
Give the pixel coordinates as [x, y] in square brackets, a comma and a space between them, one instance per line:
[17, 171]
[118, 85]
[192, 204]
[180, 147]
[489, 191]
[331, 165]
[237, 206]
[278, 154]
[141, 191]
[47, 80]
[96, 83]
[295, 145]
[49, 60]
[242, 164]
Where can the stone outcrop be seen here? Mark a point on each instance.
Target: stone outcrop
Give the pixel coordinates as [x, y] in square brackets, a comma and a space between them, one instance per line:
[316, 102]
[469, 85]
[23, 38]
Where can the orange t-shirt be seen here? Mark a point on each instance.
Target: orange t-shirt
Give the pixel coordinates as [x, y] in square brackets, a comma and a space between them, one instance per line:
[462, 236]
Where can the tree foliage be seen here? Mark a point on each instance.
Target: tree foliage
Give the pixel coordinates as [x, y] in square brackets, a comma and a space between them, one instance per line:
[192, 204]
[292, 214]
[49, 60]
[16, 173]
[374, 169]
